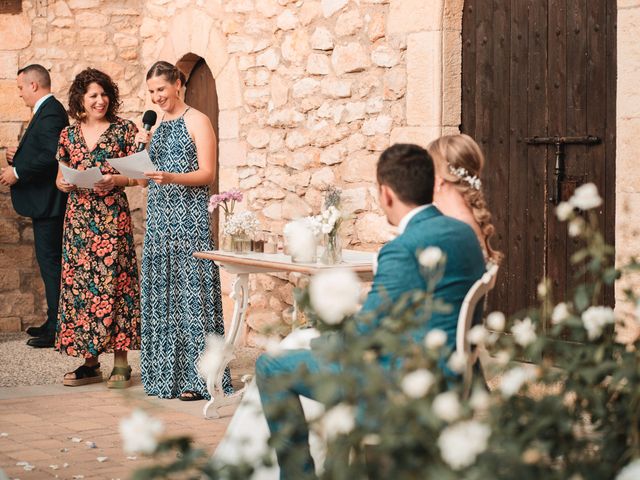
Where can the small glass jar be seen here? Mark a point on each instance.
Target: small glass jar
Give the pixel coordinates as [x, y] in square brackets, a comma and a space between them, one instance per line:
[241, 244]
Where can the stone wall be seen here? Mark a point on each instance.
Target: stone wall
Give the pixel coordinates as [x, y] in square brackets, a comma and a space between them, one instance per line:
[66, 37]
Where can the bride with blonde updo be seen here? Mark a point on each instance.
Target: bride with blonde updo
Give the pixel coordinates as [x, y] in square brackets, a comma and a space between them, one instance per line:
[458, 193]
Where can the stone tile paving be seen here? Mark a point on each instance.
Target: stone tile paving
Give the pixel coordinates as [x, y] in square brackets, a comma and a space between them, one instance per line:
[56, 432]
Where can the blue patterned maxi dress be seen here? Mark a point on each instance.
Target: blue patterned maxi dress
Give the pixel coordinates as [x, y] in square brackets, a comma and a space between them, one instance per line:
[181, 300]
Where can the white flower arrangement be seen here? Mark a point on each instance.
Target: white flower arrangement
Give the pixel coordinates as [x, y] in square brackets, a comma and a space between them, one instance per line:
[334, 294]
[340, 420]
[140, 432]
[560, 313]
[416, 384]
[329, 220]
[461, 443]
[242, 223]
[586, 197]
[524, 332]
[447, 406]
[595, 319]
[514, 379]
[435, 339]
[463, 174]
[301, 240]
[496, 321]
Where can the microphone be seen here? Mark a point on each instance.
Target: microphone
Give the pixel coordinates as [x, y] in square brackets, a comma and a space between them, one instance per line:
[148, 120]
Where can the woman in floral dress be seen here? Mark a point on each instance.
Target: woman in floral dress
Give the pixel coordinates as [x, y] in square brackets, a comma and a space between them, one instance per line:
[99, 299]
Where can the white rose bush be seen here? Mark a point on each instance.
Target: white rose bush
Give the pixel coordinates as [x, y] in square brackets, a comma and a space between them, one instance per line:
[564, 396]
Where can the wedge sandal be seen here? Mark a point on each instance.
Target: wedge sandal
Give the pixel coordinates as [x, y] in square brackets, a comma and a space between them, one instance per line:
[84, 376]
[120, 371]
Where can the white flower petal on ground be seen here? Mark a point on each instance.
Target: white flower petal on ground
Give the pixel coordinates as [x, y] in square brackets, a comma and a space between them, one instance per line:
[560, 313]
[435, 339]
[457, 362]
[524, 332]
[564, 211]
[512, 381]
[477, 335]
[140, 432]
[215, 353]
[595, 319]
[430, 257]
[340, 420]
[586, 197]
[447, 406]
[334, 294]
[460, 444]
[630, 472]
[417, 383]
[496, 321]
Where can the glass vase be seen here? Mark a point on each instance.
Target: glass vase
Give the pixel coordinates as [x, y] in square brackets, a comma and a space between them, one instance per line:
[226, 243]
[332, 253]
[240, 244]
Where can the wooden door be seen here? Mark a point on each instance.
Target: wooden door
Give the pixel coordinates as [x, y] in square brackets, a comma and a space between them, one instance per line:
[201, 94]
[541, 68]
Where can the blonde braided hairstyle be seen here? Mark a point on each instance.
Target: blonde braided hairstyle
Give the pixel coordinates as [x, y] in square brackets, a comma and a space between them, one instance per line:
[459, 161]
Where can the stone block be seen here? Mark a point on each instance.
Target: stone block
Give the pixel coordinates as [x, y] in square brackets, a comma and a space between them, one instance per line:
[269, 58]
[349, 58]
[268, 8]
[355, 200]
[228, 124]
[385, 56]
[9, 133]
[627, 147]
[15, 31]
[333, 155]
[258, 138]
[294, 207]
[452, 81]
[10, 324]
[10, 278]
[329, 7]
[273, 211]
[321, 39]
[16, 304]
[374, 228]
[8, 65]
[361, 167]
[335, 88]
[295, 46]
[424, 79]
[285, 118]
[348, 23]
[305, 87]
[92, 20]
[82, 4]
[323, 178]
[228, 178]
[287, 20]
[318, 64]
[376, 27]
[233, 153]
[406, 16]
[257, 97]
[309, 11]
[13, 108]
[296, 139]
[419, 135]
[228, 87]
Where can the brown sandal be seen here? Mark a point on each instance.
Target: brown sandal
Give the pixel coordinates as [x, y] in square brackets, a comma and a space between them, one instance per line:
[122, 372]
[190, 396]
[84, 375]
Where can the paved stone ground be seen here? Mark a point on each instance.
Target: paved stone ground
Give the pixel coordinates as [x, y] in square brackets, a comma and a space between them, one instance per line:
[44, 426]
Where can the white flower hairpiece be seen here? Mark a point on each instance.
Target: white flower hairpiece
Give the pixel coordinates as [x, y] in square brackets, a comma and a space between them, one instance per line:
[463, 174]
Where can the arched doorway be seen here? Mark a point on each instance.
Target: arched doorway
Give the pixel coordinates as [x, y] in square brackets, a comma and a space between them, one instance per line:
[540, 68]
[201, 94]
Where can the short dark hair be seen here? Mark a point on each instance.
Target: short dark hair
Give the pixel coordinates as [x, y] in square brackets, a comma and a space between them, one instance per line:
[79, 87]
[40, 73]
[167, 70]
[408, 170]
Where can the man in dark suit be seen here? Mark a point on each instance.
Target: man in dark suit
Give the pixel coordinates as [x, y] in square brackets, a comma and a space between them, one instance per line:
[31, 174]
[405, 175]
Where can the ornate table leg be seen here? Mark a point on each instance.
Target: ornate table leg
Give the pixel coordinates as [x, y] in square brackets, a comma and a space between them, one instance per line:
[240, 294]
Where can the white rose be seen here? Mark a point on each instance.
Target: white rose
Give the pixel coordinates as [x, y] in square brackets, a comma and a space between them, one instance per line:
[334, 294]
[502, 357]
[477, 335]
[457, 362]
[429, 257]
[480, 400]
[586, 197]
[447, 406]
[417, 383]
[461, 443]
[630, 472]
[214, 355]
[524, 332]
[435, 339]
[514, 379]
[563, 211]
[595, 319]
[576, 226]
[140, 432]
[340, 420]
[560, 313]
[496, 321]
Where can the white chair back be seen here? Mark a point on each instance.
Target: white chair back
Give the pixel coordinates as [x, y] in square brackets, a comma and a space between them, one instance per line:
[476, 293]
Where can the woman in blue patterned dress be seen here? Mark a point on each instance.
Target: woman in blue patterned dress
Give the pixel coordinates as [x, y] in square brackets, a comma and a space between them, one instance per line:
[181, 302]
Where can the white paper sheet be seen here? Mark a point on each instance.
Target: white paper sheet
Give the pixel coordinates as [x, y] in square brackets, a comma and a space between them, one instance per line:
[81, 178]
[134, 165]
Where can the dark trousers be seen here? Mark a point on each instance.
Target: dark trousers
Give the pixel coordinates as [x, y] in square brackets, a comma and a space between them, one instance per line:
[47, 236]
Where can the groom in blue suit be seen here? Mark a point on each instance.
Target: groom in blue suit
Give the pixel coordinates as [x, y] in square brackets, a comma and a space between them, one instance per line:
[405, 176]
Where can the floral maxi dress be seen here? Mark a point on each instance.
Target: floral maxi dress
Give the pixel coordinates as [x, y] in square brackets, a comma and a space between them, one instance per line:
[99, 296]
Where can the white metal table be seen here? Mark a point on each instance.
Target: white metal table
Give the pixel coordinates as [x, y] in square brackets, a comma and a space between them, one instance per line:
[243, 265]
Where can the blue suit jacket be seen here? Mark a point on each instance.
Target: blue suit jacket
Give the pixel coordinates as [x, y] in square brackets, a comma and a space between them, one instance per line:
[399, 271]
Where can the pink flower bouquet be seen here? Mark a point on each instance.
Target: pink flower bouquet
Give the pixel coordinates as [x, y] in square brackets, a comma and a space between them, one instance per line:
[226, 200]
